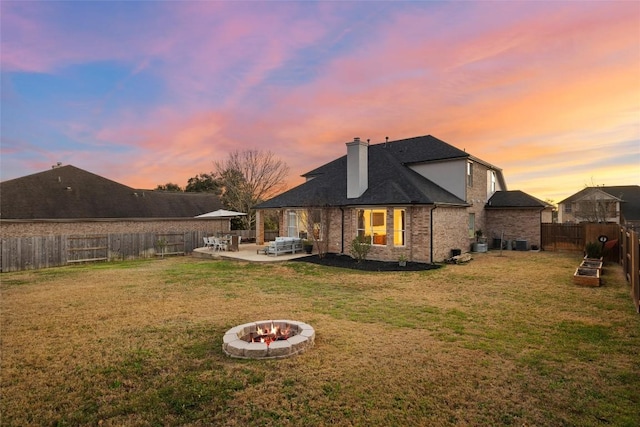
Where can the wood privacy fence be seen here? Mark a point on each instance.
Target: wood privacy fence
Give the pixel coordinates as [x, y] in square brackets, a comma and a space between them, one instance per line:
[574, 237]
[630, 261]
[32, 253]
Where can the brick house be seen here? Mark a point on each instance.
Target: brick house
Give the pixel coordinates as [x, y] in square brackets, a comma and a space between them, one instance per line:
[419, 198]
[67, 200]
[606, 204]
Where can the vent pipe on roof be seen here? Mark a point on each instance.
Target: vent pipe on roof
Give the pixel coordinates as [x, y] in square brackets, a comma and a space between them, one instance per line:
[357, 168]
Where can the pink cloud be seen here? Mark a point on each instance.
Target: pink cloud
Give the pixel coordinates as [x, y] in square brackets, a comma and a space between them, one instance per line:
[505, 82]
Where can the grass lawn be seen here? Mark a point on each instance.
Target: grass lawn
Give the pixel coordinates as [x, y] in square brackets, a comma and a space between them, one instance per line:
[504, 341]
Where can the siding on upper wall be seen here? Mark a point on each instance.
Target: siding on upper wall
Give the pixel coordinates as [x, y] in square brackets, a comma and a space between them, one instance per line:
[450, 175]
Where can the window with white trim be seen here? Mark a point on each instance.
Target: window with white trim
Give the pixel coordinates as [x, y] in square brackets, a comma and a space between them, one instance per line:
[372, 225]
[399, 227]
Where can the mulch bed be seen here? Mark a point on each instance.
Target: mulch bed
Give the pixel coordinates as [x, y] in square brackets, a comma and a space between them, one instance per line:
[345, 261]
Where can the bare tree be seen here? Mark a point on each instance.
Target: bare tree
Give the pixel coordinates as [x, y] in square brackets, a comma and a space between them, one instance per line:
[594, 209]
[318, 222]
[248, 178]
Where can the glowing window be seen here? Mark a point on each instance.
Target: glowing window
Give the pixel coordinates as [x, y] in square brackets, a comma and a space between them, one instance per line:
[398, 227]
[372, 225]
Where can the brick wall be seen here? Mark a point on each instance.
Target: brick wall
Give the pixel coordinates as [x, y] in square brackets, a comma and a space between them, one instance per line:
[517, 224]
[477, 198]
[10, 228]
[451, 231]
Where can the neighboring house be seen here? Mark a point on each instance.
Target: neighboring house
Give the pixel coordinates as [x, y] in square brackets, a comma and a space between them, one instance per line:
[419, 198]
[69, 200]
[612, 204]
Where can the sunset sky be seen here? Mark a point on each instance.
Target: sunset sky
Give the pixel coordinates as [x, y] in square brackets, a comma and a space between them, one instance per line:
[146, 93]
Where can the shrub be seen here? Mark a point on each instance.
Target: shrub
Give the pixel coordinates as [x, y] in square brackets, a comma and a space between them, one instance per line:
[360, 247]
[593, 250]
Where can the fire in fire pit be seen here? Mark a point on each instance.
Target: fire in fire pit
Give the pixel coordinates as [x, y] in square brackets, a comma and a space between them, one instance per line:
[270, 334]
[268, 339]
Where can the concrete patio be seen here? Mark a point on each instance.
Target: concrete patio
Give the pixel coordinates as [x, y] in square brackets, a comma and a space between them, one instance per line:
[247, 252]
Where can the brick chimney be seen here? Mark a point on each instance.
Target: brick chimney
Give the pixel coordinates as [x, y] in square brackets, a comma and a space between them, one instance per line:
[357, 168]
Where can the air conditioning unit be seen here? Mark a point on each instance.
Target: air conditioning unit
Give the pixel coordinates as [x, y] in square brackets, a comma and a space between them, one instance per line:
[522, 245]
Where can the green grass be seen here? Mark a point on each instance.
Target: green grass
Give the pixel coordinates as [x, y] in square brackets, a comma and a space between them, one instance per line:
[504, 341]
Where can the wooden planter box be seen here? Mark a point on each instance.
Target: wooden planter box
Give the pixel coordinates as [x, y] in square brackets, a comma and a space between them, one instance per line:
[585, 276]
[591, 263]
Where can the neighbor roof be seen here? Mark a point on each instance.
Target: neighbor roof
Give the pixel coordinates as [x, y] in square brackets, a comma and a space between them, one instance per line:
[390, 181]
[67, 192]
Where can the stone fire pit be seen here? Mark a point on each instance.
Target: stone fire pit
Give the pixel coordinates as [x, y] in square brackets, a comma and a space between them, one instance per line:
[292, 337]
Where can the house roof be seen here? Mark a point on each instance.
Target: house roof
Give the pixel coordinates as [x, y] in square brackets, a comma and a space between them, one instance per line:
[391, 182]
[67, 192]
[628, 195]
[515, 199]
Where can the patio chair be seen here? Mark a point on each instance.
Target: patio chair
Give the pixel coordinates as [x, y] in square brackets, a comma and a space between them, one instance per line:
[207, 242]
[218, 244]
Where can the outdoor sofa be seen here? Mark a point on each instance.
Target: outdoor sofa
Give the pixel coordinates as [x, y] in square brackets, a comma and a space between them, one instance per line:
[283, 245]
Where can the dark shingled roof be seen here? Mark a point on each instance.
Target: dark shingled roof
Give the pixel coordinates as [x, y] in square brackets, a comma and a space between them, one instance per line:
[390, 181]
[515, 199]
[67, 192]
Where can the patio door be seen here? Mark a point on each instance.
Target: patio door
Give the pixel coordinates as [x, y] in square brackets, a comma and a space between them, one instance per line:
[292, 224]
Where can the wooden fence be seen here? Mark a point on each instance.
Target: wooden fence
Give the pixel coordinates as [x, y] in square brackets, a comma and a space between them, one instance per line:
[557, 237]
[630, 261]
[574, 237]
[32, 253]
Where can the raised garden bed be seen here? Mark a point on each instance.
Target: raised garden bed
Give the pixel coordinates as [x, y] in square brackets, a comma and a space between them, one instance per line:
[585, 276]
[591, 263]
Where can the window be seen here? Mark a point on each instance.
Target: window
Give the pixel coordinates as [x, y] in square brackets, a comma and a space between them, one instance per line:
[470, 174]
[300, 223]
[472, 225]
[316, 224]
[372, 225]
[292, 224]
[567, 207]
[398, 227]
[492, 182]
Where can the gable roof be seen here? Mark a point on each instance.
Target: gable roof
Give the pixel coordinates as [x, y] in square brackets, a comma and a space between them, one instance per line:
[390, 181]
[628, 195]
[67, 192]
[515, 199]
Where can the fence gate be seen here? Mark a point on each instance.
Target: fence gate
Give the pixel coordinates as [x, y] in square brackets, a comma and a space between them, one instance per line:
[169, 244]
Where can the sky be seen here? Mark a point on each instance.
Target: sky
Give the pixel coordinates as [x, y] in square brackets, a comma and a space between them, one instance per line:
[147, 93]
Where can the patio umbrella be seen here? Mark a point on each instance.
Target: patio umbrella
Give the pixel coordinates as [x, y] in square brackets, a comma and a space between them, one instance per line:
[220, 213]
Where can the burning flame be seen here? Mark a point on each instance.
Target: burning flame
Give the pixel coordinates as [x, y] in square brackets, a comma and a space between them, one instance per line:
[270, 334]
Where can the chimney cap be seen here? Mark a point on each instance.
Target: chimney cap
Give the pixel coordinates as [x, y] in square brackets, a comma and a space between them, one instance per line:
[356, 139]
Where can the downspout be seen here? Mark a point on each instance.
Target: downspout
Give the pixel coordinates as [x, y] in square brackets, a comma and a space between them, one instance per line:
[431, 232]
[342, 231]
